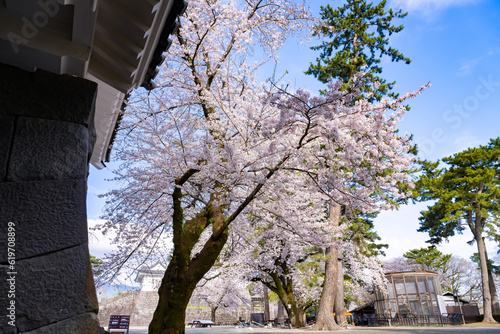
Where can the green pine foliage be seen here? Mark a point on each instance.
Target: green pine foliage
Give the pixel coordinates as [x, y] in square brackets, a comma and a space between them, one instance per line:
[466, 191]
[96, 264]
[494, 268]
[429, 257]
[361, 231]
[356, 37]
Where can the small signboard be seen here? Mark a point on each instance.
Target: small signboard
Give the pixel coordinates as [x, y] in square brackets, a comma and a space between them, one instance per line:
[120, 323]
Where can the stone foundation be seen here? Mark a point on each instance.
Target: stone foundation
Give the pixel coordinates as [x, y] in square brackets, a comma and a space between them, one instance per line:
[144, 308]
[46, 138]
[121, 305]
[141, 306]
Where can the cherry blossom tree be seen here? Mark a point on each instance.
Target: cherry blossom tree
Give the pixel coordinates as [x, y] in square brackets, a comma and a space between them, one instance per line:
[289, 259]
[280, 254]
[400, 264]
[275, 249]
[222, 288]
[211, 143]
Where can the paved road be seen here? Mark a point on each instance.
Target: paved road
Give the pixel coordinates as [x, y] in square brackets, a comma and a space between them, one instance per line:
[493, 329]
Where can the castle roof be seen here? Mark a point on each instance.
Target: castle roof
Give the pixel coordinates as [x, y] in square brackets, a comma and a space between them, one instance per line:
[155, 270]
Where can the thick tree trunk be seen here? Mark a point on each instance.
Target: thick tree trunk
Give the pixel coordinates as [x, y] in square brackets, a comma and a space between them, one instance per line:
[324, 314]
[213, 311]
[281, 313]
[481, 248]
[339, 296]
[302, 315]
[177, 287]
[266, 304]
[284, 289]
[170, 313]
[495, 306]
[476, 223]
[184, 272]
[294, 313]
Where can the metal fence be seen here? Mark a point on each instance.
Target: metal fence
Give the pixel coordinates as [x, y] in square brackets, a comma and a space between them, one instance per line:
[413, 320]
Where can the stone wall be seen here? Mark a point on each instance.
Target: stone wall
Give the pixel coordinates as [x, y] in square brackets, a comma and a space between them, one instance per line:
[141, 306]
[46, 138]
[145, 307]
[120, 305]
[223, 315]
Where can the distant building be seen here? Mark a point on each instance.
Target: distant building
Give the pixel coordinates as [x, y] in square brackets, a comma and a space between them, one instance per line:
[452, 300]
[150, 279]
[411, 292]
[412, 298]
[455, 304]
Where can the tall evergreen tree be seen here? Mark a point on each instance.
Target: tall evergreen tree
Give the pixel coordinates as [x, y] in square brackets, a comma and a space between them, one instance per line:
[430, 258]
[467, 194]
[96, 264]
[360, 231]
[356, 37]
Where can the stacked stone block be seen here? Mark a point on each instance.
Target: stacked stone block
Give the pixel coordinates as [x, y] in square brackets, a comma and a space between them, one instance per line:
[144, 308]
[120, 305]
[141, 306]
[46, 139]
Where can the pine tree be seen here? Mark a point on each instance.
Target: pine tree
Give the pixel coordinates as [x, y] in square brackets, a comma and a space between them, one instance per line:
[467, 193]
[430, 258]
[361, 230]
[356, 38]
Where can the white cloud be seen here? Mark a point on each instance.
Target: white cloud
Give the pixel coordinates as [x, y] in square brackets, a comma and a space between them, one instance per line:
[399, 246]
[465, 142]
[456, 245]
[467, 67]
[493, 51]
[100, 244]
[429, 6]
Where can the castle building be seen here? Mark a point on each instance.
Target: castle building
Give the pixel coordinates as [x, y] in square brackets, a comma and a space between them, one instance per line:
[150, 279]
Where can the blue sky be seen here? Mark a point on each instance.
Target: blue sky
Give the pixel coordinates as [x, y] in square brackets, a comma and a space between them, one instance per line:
[454, 44]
